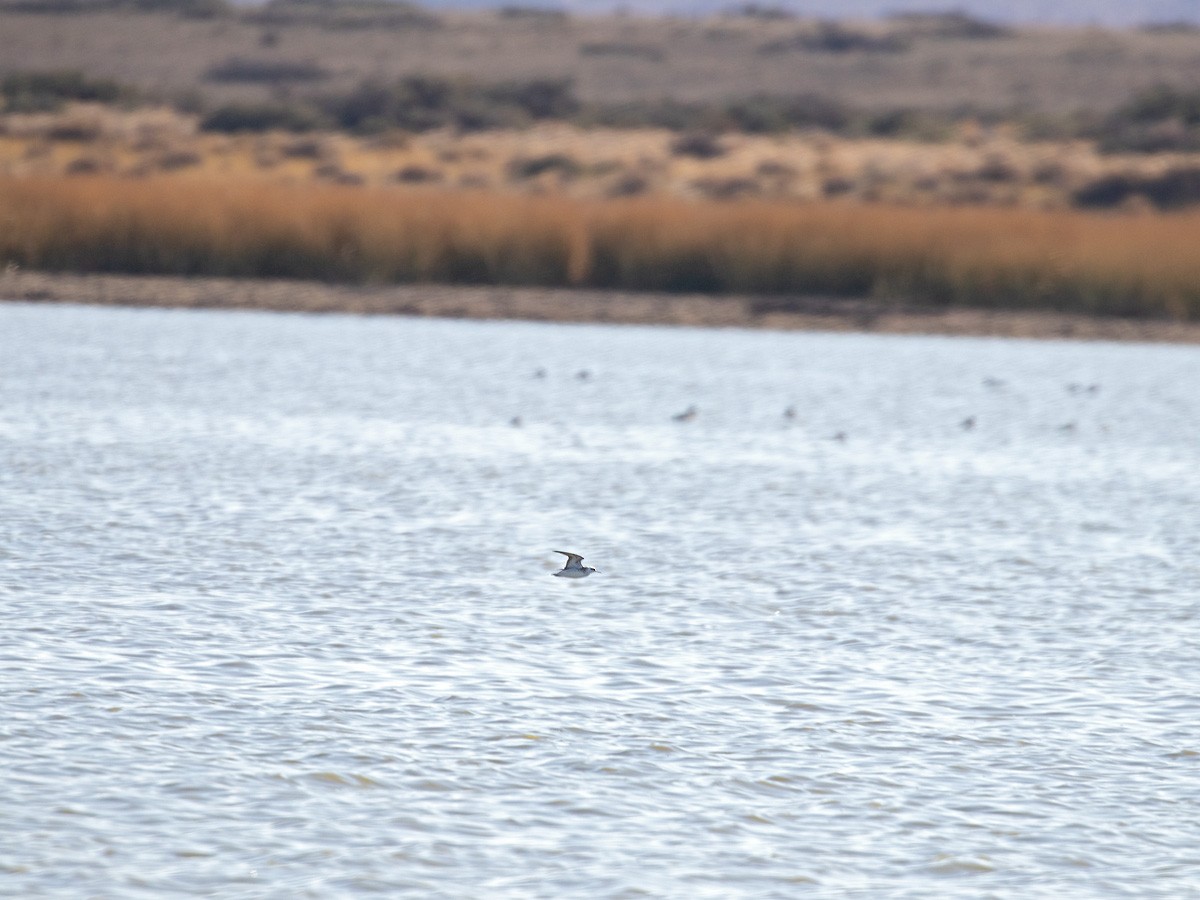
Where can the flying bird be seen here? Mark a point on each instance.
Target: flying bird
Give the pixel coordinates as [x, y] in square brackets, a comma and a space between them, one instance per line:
[574, 567]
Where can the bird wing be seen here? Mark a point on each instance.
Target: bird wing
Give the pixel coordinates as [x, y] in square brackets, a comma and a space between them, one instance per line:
[573, 559]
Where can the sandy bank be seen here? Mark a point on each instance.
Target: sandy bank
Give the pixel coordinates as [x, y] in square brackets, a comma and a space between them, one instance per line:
[557, 305]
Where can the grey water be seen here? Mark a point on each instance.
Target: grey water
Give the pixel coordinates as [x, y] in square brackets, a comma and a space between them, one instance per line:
[278, 620]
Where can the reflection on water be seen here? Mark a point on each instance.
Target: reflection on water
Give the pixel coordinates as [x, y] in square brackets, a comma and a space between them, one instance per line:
[279, 620]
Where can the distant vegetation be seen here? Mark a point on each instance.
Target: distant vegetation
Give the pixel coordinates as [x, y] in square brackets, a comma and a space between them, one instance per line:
[196, 9]
[950, 25]
[424, 102]
[1160, 119]
[365, 140]
[270, 71]
[421, 103]
[976, 257]
[48, 91]
[343, 14]
[834, 37]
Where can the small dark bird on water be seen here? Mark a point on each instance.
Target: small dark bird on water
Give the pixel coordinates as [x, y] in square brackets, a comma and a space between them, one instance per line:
[687, 415]
[968, 423]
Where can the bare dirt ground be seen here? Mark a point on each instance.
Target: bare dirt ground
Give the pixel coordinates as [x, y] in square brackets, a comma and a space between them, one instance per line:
[586, 306]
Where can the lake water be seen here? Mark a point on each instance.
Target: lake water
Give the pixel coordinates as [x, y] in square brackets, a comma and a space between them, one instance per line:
[278, 618]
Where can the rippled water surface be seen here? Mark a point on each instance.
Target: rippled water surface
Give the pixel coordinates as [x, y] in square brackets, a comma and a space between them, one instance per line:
[278, 618]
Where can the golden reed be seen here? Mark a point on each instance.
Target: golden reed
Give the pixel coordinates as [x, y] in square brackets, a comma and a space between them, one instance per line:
[1144, 264]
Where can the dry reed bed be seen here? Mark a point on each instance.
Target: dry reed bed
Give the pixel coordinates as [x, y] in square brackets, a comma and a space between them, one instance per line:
[986, 257]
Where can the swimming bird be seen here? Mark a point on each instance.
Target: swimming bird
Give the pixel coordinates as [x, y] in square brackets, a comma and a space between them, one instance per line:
[573, 567]
[687, 415]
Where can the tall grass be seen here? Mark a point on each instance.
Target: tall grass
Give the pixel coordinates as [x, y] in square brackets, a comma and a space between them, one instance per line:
[989, 257]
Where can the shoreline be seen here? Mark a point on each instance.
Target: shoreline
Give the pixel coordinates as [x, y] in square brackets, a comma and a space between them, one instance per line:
[580, 306]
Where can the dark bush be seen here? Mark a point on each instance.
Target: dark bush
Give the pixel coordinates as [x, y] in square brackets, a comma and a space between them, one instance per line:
[174, 160]
[267, 71]
[1169, 136]
[194, 9]
[726, 188]
[47, 91]
[764, 113]
[629, 184]
[624, 50]
[541, 98]
[343, 14]
[1160, 119]
[670, 114]
[918, 124]
[952, 24]
[997, 168]
[417, 175]
[420, 103]
[762, 13]
[85, 165]
[698, 145]
[1107, 191]
[523, 168]
[190, 9]
[75, 131]
[834, 37]
[1179, 26]
[238, 117]
[773, 168]
[535, 13]
[305, 148]
[1161, 102]
[757, 114]
[335, 173]
[1173, 189]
